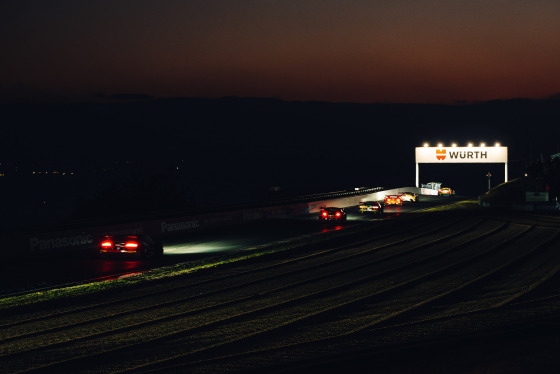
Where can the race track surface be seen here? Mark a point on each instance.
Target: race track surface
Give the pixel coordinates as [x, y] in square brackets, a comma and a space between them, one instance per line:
[463, 290]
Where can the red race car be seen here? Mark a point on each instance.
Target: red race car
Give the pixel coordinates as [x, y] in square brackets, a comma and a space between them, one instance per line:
[137, 245]
[393, 200]
[332, 214]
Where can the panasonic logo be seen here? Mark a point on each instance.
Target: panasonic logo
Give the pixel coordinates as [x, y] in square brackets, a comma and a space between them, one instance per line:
[468, 155]
[179, 226]
[60, 242]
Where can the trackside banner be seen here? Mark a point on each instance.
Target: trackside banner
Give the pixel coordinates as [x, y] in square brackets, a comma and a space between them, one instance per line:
[461, 155]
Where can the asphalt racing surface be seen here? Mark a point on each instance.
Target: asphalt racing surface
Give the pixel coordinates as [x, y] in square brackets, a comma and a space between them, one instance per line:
[460, 289]
[47, 272]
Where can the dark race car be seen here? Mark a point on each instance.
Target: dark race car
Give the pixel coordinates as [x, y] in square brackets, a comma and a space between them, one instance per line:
[130, 245]
[371, 207]
[332, 214]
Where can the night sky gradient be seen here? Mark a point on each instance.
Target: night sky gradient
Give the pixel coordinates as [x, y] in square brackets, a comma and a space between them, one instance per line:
[340, 51]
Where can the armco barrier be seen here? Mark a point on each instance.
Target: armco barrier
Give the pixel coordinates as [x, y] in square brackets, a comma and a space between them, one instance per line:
[84, 238]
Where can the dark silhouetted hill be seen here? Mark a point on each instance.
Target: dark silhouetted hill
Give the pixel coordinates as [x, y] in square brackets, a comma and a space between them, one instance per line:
[234, 149]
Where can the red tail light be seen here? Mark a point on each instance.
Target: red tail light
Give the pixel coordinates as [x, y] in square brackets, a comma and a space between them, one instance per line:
[131, 245]
[106, 244]
[337, 214]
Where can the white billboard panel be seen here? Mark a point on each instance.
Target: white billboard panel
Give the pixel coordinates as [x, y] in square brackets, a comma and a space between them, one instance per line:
[456, 155]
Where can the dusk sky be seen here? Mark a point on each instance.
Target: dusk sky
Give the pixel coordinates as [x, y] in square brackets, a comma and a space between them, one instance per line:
[352, 50]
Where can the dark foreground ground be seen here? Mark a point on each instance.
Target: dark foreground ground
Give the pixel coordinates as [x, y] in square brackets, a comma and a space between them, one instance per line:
[527, 348]
[462, 290]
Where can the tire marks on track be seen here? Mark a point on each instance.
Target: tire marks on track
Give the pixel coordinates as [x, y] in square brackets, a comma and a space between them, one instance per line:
[333, 295]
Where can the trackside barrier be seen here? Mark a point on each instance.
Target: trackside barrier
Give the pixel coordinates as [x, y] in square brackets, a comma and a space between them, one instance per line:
[41, 243]
[428, 191]
[87, 238]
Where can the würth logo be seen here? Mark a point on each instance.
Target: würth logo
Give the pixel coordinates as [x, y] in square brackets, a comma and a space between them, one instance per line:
[440, 154]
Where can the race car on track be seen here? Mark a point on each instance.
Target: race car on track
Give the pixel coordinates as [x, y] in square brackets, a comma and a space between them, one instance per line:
[371, 207]
[393, 200]
[136, 245]
[409, 196]
[446, 191]
[332, 214]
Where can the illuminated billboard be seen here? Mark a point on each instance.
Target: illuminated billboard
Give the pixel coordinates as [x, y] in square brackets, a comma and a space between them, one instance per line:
[456, 155]
[461, 155]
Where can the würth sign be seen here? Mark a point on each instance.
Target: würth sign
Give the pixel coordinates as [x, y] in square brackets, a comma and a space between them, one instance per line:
[443, 155]
[461, 155]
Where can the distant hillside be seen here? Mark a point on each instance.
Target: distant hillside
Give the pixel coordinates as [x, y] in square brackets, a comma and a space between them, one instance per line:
[232, 141]
[229, 150]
